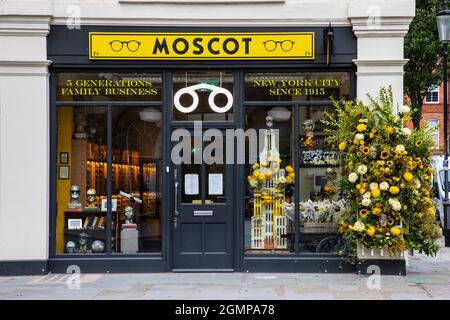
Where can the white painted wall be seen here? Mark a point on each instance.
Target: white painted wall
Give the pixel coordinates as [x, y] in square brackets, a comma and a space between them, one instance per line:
[24, 131]
[379, 25]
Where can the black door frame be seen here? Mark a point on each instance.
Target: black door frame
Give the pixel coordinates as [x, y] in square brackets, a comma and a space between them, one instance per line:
[170, 124]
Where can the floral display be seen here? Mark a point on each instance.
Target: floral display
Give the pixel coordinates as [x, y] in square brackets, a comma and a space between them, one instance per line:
[266, 171]
[387, 173]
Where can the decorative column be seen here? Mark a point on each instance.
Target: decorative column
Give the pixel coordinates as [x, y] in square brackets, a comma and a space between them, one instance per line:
[380, 27]
[24, 139]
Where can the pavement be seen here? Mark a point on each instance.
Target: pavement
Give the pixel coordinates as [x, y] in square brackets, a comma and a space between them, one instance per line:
[428, 278]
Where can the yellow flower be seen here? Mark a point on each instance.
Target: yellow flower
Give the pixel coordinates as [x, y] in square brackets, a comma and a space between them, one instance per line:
[279, 160]
[364, 149]
[384, 155]
[361, 127]
[356, 141]
[289, 169]
[256, 174]
[389, 130]
[376, 193]
[363, 213]
[420, 164]
[395, 231]
[264, 164]
[418, 143]
[370, 231]
[408, 176]
[292, 175]
[376, 211]
[289, 180]
[394, 190]
[390, 221]
[261, 177]
[342, 146]
[256, 166]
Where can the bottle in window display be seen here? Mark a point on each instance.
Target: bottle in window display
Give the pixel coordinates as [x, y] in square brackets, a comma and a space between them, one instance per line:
[330, 188]
[308, 140]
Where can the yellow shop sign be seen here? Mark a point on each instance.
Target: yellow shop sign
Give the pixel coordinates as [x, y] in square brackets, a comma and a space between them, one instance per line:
[201, 46]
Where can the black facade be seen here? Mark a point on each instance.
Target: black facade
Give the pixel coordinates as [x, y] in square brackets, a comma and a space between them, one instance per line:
[68, 53]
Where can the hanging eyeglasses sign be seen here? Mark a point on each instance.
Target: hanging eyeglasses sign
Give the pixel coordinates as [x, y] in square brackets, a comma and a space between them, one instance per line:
[203, 87]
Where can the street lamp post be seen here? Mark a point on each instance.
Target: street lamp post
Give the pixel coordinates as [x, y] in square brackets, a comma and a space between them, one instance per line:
[443, 25]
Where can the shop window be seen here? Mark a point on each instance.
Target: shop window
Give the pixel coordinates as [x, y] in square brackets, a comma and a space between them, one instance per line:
[137, 171]
[270, 181]
[434, 123]
[203, 96]
[81, 217]
[109, 86]
[136, 180]
[432, 95]
[320, 203]
[296, 86]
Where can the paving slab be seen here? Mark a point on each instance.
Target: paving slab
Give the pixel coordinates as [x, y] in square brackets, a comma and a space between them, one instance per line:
[427, 278]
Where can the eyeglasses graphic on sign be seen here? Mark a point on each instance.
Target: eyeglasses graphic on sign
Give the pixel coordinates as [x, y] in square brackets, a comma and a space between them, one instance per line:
[117, 45]
[195, 100]
[271, 45]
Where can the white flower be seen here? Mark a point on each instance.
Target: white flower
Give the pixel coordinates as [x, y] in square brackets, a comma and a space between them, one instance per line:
[366, 202]
[362, 169]
[352, 177]
[359, 226]
[359, 136]
[404, 109]
[253, 183]
[373, 186]
[366, 195]
[384, 186]
[418, 184]
[406, 131]
[400, 148]
[396, 205]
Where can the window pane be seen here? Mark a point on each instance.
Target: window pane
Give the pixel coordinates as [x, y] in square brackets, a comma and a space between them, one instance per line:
[137, 170]
[270, 183]
[109, 87]
[296, 86]
[320, 203]
[81, 180]
[194, 103]
[434, 123]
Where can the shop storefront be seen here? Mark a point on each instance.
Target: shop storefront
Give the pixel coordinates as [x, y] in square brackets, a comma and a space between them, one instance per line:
[174, 149]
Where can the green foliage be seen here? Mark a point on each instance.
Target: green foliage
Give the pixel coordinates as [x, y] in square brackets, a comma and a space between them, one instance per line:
[386, 169]
[424, 51]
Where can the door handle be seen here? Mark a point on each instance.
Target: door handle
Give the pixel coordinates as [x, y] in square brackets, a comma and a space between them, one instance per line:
[175, 218]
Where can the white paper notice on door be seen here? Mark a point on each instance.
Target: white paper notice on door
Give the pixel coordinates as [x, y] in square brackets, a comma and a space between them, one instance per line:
[191, 184]
[215, 184]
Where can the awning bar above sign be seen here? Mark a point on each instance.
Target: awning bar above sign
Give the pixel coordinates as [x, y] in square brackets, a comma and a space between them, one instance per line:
[201, 46]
